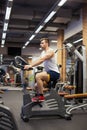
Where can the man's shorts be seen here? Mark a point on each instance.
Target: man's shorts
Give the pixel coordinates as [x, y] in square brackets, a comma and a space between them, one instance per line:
[54, 76]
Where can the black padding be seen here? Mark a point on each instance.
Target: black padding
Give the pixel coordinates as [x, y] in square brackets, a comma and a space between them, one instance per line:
[7, 121]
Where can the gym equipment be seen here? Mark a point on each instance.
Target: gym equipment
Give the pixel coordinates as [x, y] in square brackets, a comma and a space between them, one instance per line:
[2, 73]
[82, 57]
[79, 99]
[7, 120]
[71, 48]
[1, 92]
[65, 88]
[79, 74]
[76, 104]
[52, 106]
[20, 62]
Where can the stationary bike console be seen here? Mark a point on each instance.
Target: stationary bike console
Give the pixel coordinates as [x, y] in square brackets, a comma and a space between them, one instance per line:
[20, 62]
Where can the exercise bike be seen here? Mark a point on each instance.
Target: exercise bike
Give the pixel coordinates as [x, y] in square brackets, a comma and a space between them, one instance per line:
[52, 106]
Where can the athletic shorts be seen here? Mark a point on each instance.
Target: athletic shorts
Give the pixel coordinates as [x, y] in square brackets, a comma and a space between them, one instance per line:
[54, 76]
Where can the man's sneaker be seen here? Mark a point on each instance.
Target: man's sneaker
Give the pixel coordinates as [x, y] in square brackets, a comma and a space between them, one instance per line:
[41, 98]
[35, 99]
[38, 99]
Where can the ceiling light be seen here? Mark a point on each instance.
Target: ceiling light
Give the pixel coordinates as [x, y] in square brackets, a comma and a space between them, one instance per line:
[79, 40]
[4, 35]
[40, 27]
[61, 3]
[27, 43]
[31, 37]
[5, 26]
[7, 16]
[8, 12]
[23, 47]
[51, 28]
[50, 16]
[2, 45]
[54, 41]
[3, 42]
[30, 57]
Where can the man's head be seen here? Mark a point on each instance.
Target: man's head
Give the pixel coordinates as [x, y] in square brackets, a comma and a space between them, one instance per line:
[44, 42]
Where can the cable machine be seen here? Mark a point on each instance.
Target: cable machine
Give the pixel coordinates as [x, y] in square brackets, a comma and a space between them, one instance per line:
[71, 48]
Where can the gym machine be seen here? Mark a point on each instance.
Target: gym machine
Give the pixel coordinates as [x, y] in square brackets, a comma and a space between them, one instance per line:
[7, 120]
[78, 96]
[71, 48]
[2, 74]
[52, 106]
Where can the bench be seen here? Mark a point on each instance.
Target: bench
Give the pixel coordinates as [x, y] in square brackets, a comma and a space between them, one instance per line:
[79, 95]
[76, 105]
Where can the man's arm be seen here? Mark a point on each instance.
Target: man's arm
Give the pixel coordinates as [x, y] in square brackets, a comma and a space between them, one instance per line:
[48, 55]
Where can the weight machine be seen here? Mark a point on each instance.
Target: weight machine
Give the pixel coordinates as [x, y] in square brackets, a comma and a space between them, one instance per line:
[70, 48]
[7, 120]
[78, 96]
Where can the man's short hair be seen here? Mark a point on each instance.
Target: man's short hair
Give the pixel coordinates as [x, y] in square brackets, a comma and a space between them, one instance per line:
[46, 40]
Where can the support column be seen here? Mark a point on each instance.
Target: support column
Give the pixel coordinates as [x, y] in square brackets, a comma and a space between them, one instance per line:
[61, 54]
[84, 21]
[84, 34]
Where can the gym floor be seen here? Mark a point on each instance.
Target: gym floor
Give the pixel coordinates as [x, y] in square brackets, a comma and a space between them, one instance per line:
[13, 99]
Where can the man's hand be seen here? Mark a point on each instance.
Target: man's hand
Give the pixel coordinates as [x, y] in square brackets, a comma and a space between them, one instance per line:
[26, 67]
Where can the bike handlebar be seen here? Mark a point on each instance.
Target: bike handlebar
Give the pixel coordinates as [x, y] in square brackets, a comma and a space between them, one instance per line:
[20, 63]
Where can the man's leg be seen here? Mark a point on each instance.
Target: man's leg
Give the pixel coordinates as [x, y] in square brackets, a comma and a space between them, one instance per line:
[40, 77]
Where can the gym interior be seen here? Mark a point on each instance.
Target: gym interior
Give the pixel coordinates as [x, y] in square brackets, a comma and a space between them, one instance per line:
[22, 24]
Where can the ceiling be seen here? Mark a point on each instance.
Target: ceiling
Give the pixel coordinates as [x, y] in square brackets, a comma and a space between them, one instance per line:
[26, 15]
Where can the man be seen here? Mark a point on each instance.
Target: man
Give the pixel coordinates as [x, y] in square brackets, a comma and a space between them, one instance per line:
[51, 70]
